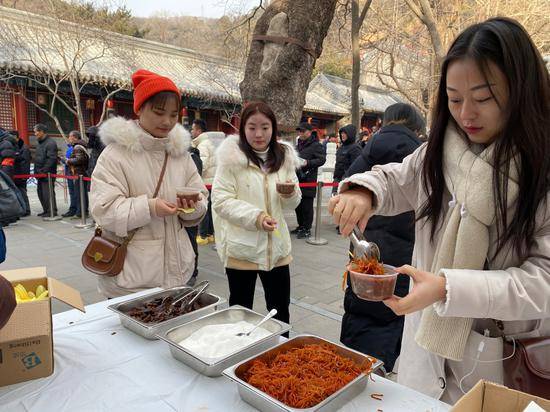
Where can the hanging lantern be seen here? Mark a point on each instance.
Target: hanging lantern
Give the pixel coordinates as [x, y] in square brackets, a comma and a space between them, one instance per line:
[110, 104]
[90, 104]
[184, 112]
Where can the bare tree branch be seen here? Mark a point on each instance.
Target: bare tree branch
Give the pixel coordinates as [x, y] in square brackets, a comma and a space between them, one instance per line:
[366, 7]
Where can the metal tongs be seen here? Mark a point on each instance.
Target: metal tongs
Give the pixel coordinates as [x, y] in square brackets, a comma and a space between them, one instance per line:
[362, 248]
[198, 289]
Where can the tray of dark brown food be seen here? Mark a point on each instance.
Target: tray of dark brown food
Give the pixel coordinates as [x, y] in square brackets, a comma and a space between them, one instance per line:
[305, 373]
[151, 314]
[371, 280]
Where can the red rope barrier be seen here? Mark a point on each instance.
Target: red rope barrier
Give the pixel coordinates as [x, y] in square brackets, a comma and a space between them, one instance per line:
[89, 179]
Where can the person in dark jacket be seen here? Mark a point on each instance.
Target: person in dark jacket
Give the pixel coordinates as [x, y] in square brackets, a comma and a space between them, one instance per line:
[95, 146]
[363, 138]
[312, 155]
[192, 231]
[372, 327]
[74, 197]
[346, 153]
[22, 167]
[78, 166]
[45, 161]
[8, 148]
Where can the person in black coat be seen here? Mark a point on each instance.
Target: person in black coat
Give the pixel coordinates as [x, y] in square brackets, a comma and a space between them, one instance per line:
[95, 146]
[192, 231]
[346, 153]
[45, 161]
[312, 155]
[8, 148]
[22, 167]
[372, 327]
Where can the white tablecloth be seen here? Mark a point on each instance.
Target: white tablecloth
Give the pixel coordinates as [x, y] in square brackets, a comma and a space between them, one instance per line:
[101, 366]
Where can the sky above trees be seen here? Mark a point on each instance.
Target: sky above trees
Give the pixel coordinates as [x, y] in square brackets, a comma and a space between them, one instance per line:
[200, 8]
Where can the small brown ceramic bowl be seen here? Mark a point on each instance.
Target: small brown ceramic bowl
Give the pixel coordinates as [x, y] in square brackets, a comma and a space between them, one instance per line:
[188, 193]
[285, 188]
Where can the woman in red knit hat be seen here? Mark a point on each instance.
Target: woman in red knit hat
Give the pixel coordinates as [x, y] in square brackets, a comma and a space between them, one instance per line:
[124, 181]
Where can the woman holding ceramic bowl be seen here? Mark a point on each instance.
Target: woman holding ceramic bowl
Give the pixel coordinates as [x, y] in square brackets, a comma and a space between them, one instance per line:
[125, 179]
[251, 233]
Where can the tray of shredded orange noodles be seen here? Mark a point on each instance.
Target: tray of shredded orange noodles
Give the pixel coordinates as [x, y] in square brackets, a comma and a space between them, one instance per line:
[305, 373]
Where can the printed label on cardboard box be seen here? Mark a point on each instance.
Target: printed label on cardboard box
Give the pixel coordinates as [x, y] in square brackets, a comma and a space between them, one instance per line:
[25, 359]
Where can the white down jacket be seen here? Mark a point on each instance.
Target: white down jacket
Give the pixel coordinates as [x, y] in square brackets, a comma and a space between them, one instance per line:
[241, 195]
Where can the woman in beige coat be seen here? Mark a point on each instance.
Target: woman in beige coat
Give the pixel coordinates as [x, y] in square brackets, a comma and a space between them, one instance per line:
[251, 233]
[124, 181]
[480, 190]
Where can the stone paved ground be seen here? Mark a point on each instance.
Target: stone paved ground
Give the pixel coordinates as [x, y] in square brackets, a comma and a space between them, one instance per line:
[316, 293]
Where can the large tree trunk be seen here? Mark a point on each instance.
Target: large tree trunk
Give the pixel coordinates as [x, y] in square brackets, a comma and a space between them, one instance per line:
[279, 74]
[356, 23]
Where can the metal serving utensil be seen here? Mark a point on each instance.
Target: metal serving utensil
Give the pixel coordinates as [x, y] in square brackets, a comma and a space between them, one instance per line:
[271, 313]
[204, 284]
[200, 292]
[362, 248]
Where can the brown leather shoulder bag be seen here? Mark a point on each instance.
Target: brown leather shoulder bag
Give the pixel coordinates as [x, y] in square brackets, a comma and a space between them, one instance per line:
[527, 364]
[106, 257]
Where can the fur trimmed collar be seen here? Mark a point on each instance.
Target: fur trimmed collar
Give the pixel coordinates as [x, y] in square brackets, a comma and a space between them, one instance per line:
[229, 154]
[129, 134]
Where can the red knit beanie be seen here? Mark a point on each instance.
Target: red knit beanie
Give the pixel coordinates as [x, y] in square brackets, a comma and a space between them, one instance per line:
[147, 84]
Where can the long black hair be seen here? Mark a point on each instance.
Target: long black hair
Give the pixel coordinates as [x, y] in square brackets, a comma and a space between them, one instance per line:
[525, 132]
[276, 152]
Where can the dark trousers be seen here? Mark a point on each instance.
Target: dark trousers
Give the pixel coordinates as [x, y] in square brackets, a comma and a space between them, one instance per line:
[74, 196]
[44, 195]
[192, 233]
[304, 213]
[22, 186]
[206, 227]
[276, 285]
[77, 196]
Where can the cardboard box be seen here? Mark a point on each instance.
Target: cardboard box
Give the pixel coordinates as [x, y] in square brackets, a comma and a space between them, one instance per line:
[26, 343]
[490, 397]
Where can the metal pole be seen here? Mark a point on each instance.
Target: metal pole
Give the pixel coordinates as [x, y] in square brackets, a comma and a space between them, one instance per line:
[51, 189]
[82, 224]
[318, 240]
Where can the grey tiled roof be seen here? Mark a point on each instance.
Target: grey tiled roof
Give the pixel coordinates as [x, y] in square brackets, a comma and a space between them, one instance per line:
[112, 57]
[338, 91]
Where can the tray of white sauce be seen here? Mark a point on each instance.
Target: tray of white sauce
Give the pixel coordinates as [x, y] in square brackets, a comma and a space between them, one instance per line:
[209, 344]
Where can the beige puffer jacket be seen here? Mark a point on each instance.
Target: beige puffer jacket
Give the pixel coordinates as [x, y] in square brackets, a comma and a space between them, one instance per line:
[208, 156]
[123, 183]
[241, 195]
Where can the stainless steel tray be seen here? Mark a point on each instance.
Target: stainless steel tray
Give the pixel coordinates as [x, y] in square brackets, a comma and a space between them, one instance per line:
[266, 403]
[233, 314]
[151, 330]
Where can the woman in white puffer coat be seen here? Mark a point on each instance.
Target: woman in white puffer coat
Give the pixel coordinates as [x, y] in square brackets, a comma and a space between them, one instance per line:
[252, 236]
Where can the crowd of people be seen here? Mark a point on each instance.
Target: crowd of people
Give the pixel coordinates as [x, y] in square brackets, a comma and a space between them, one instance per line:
[79, 160]
[483, 174]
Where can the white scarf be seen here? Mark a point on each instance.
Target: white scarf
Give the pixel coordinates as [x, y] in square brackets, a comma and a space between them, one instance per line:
[464, 243]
